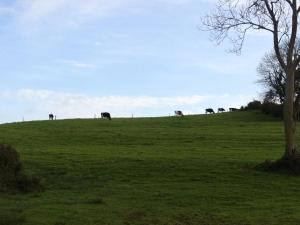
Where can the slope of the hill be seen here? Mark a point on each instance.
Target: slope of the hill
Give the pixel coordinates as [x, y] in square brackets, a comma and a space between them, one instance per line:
[159, 171]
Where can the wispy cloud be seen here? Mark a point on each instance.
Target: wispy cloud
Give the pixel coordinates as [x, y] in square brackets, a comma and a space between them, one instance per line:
[229, 66]
[75, 12]
[78, 64]
[67, 11]
[7, 10]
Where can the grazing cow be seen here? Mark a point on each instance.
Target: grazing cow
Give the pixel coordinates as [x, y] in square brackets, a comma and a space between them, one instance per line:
[221, 110]
[209, 110]
[51, 116]
[105, 115]
[178, 113]
[233, 109]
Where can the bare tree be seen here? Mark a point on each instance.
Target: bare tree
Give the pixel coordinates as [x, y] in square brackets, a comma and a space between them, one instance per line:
[233, 19]
[273, 78]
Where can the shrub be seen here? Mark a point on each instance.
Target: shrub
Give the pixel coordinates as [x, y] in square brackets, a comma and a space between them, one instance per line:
[266, 107]
[10, 166]
[272, 109]
[254, 105]
[12, 176]
[243, 108]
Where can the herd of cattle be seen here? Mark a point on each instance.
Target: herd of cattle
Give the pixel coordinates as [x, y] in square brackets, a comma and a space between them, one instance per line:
[208, 111]
[220, 110]
[106, 115]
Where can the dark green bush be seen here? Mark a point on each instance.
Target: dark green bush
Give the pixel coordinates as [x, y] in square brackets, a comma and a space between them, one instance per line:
[266, 107]
[12, 176]
[10, 167]
[273, 109]
[254, 105]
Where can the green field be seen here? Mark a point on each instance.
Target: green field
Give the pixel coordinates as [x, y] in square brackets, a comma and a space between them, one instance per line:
[159, 171]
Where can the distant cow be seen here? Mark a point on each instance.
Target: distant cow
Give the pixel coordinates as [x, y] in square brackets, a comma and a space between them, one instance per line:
[210, 110]
[233, 109]
[51, 116]
[178, 113]
[105, 115]
[221, 110]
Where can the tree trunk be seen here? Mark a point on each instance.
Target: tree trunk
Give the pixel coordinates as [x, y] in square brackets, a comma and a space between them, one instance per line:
[288, 113]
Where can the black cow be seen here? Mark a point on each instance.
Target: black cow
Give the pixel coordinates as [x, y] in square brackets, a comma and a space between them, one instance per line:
[209, 110]
[51, 116]
[221, 110]
[178, 113]
[105, 115]
[233, 109]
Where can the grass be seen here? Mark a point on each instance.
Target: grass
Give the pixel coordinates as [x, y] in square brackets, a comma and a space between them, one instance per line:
[159, 171]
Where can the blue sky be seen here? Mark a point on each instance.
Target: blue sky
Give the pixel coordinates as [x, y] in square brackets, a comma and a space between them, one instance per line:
[76, 58]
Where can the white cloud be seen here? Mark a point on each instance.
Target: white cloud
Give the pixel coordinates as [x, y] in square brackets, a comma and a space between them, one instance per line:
[75, 12]
[78, 64]
[37, 104]
[38, 14]
[7, 10]
[230, 65]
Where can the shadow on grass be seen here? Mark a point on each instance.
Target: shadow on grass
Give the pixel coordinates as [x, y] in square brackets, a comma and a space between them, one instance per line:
[287, 165]
[11, 218]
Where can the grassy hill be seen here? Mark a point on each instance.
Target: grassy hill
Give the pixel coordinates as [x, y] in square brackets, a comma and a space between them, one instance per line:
[159, 171]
